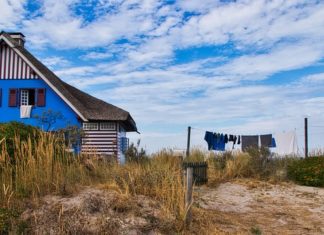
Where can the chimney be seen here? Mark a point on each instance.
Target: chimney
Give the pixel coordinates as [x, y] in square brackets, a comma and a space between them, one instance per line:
[18, 37]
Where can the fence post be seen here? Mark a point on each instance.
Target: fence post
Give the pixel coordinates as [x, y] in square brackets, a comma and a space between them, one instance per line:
[306, 136]
[188, 199]
[188, 141]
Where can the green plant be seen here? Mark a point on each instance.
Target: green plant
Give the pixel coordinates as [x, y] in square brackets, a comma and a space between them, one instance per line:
[135, 152]
[256, 231]
[308, 171]
[48, 118]
[72, 136]
[7, 216]
[9, 131]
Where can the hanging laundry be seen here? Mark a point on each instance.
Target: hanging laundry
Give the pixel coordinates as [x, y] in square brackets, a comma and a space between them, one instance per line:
[231, 138]
[220, 142]
[215, 141]
[266, 140]
[286, 143]
[239, 140]
[210, 139]
[234, 141]
[273, 143]
[226, 138]
[250, 141]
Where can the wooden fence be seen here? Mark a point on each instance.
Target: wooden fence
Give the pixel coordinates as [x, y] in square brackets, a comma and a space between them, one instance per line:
[199, 171]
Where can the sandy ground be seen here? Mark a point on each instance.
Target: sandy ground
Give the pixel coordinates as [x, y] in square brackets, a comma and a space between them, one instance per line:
[98, 211]
[236, 207]
[254, 207]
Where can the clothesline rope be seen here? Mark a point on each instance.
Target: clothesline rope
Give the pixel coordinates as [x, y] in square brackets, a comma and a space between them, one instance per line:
[204, 130]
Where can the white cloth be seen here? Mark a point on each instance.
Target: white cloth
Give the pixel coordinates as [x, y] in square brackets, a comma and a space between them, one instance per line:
[25, 111]
[286, 143]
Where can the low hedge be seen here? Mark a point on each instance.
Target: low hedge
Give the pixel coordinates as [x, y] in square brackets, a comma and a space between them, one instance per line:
[9, 130]
[308, 171]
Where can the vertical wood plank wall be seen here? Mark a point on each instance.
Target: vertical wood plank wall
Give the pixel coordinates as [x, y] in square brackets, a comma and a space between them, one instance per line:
[12, 66]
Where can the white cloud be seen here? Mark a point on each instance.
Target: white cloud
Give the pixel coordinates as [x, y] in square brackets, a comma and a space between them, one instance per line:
[11, 12]
[314, 78]
[97, 55]
[55, 61]
[59, 27]
[284, 58]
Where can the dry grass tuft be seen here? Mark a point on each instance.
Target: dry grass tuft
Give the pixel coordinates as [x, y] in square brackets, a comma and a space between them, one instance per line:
[41, 166]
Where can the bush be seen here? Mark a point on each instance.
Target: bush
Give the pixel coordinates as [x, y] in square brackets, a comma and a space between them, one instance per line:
[308, 171]
[256, 163]
[135, 153]
[8, 132]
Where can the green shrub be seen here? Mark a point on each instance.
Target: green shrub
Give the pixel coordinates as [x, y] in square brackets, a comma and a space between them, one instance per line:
[8, 132]
[308, 171]
[135, 153]
[7, 216]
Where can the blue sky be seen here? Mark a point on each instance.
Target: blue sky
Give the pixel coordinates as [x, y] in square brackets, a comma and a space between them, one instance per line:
[245, 67]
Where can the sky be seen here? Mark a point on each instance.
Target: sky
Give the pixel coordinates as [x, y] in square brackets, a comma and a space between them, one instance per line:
[241, 67]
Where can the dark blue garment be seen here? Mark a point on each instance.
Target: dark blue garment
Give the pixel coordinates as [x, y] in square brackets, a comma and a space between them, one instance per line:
[273, 143]
[215, 141]
[221, 143]
[209, 137]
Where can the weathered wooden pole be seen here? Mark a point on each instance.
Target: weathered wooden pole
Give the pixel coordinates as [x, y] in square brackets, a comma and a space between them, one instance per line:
[306, 137]
[188, 199]
[188, 141]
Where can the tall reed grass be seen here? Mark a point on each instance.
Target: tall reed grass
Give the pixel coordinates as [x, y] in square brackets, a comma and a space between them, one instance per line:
[41, 166]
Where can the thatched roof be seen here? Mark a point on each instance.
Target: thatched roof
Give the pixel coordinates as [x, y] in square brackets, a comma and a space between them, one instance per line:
[91, 108]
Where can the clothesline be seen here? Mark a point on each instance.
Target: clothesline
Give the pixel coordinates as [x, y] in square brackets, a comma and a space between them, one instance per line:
[204, 130]
[221, 131]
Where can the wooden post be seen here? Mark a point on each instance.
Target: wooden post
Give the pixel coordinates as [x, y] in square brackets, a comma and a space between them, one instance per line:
[188, 141]
[188, 198]
[306, 137]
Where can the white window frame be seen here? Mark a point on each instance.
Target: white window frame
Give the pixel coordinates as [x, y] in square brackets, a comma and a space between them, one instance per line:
[90, 126]
[24, 97]
[107, 126]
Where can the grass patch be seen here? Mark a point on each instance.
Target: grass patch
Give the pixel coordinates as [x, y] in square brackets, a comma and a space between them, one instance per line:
[308, 171]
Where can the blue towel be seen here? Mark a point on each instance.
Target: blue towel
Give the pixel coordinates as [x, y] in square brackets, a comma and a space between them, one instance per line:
[215, 141]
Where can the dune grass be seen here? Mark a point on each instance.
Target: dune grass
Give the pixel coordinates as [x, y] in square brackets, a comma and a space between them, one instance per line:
[39, 165]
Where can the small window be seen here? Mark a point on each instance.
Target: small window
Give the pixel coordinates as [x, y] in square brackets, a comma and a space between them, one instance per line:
[27, 97]
[107, 126]
[90, 126]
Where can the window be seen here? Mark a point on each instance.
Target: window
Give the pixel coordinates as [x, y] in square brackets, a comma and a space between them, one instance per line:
[107, 126]
[27, 97]
[90, 126]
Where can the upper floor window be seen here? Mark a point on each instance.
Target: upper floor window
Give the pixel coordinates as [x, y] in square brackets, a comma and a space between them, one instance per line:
[90, 126]
[107, 126]
[27, 97]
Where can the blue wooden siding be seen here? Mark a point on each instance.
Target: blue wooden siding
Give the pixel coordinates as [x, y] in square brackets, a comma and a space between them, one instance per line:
[53, 102]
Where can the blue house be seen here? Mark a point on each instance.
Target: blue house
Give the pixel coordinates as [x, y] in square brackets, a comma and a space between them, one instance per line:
[28, 89]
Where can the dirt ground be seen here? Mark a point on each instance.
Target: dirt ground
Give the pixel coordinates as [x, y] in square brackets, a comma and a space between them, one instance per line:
[255, 207]
[236, 207]
[98, 211]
